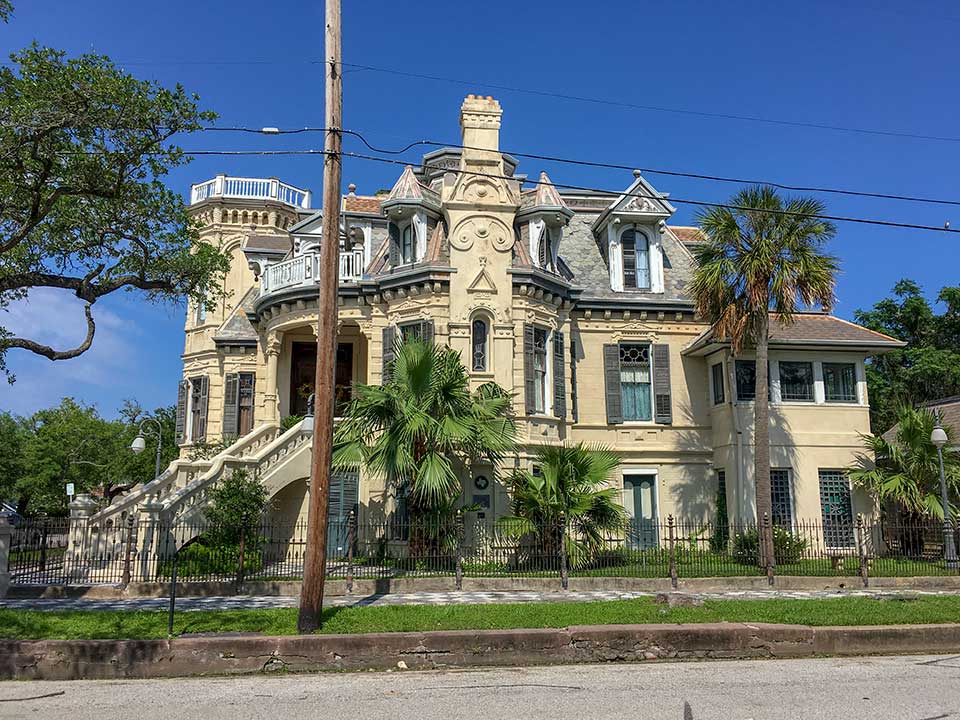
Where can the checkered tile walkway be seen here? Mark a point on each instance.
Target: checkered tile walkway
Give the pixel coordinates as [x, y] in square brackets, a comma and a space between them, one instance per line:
[243, 602]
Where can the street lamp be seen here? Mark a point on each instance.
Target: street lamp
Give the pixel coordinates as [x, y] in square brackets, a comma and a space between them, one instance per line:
[307, 427]
[139, 443]
[939, 438]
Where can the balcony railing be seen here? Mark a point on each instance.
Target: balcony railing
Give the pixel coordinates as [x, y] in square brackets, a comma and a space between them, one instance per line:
[305, 269]
[225, 186]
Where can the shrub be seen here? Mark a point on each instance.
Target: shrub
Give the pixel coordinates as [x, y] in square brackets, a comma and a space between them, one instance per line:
[289, 421]
[199, 560]
[787, 547]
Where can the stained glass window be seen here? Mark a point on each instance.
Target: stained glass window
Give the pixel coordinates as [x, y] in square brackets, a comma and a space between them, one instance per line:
[635, 382]
[480, 343]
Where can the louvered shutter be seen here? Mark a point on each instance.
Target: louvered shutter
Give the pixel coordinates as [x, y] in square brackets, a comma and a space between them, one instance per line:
[394, 249]
[181, 427]
[426, 331]
[253, 399]
[389, 333]
[529, 381]
[559, 381]
[662, 402]
[204, 404]
[611, 380]
[231, 404]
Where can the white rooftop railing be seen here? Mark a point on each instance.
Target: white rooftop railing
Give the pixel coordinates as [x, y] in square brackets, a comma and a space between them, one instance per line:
[305, 270]
[225, 186]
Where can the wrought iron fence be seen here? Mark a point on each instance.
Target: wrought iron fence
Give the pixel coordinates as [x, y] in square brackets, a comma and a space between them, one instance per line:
[51, 552]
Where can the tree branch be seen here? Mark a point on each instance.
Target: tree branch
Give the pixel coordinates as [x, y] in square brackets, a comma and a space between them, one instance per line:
[47, 351]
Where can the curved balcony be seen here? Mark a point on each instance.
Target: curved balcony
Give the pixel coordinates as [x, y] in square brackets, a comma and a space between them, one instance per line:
[225, 186]
[303, 270]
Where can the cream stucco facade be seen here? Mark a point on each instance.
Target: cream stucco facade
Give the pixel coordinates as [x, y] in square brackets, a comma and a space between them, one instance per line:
[576, 303]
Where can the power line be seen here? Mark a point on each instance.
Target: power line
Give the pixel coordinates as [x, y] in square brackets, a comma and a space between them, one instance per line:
[611, 166]
[586, 188]
[654, 108]
[558, 95]
[683, 201]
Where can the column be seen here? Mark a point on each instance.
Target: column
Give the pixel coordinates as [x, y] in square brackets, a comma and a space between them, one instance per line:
[271, 399]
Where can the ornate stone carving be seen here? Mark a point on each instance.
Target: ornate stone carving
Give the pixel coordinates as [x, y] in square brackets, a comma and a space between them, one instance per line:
[482, 227]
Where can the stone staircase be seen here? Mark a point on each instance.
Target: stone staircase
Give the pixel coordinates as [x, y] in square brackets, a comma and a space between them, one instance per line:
[177, 497]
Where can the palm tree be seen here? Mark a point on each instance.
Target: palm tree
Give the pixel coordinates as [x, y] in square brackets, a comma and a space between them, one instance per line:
[763, 255]
[420, 427]
[570, 488]
[905, 473]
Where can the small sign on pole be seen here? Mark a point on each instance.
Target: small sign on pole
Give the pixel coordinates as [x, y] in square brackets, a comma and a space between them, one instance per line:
[70, 490]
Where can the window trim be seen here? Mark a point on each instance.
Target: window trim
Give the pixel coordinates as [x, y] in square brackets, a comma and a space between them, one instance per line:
[812, 400]
[856, 383]
[547, 374]
[652, 418]
[636, 265]
[823, 521]
[404, 229]
[481, 319]
[792, 496]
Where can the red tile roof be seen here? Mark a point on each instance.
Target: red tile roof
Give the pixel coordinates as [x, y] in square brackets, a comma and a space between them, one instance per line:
[362, 204]
[688, 234]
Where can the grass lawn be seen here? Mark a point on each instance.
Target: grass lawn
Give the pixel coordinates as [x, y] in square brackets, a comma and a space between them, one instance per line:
[80, 624]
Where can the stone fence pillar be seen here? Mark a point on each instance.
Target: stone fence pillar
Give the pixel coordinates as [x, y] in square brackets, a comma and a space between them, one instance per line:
[76, 561]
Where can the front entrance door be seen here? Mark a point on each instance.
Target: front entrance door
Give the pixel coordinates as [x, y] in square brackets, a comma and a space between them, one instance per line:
[640, 502]
[303, 371]
[303, 375]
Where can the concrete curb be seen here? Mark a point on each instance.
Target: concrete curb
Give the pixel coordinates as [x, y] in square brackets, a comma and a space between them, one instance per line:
[363, 588]
[225, 655]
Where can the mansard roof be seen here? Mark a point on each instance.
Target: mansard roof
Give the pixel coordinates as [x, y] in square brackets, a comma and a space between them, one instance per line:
[811, 328]
[362, 204]
[581, 251]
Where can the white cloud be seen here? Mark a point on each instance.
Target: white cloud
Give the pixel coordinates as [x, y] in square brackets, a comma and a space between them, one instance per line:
[55, 318]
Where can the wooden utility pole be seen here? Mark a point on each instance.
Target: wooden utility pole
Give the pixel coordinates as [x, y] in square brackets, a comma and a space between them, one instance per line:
[315, 558]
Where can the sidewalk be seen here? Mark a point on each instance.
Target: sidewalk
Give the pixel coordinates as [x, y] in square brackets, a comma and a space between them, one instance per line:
[248, 602]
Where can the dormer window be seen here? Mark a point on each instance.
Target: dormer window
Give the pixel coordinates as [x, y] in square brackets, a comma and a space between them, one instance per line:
[636, 260]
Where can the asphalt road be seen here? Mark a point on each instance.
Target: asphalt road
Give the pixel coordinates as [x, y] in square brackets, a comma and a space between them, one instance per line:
[905, 688]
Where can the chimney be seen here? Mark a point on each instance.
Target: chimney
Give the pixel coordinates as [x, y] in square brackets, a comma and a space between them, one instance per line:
[480, 129]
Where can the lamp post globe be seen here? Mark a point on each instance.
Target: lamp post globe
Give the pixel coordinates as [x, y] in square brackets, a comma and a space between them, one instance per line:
[939, 439]
[139, 444]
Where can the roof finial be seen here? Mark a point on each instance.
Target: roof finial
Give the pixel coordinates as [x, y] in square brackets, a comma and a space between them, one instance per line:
[636, 173]
[352, 188]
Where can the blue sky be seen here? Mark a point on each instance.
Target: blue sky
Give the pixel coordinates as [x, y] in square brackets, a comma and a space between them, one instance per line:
[872, 64]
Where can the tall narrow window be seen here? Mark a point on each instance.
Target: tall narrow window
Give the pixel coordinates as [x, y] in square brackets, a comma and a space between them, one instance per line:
[201, 314]
[480, 345]
[782, 497]
[635, 382]
[836, 509]
[407, 244]
[540, 370]
[245, 398]
[716, 372]
[545, 251]
[636, 260]
[840, 382]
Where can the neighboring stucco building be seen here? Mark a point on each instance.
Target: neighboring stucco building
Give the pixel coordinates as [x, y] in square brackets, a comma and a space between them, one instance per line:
[576, 302]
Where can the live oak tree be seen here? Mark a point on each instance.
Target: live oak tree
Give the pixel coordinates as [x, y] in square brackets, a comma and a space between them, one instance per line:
[84, 147]
[928, 368]
[763, 258]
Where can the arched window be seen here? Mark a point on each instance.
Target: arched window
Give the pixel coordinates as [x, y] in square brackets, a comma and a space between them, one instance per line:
[481, 345]
[636, 260]
[407, 244]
